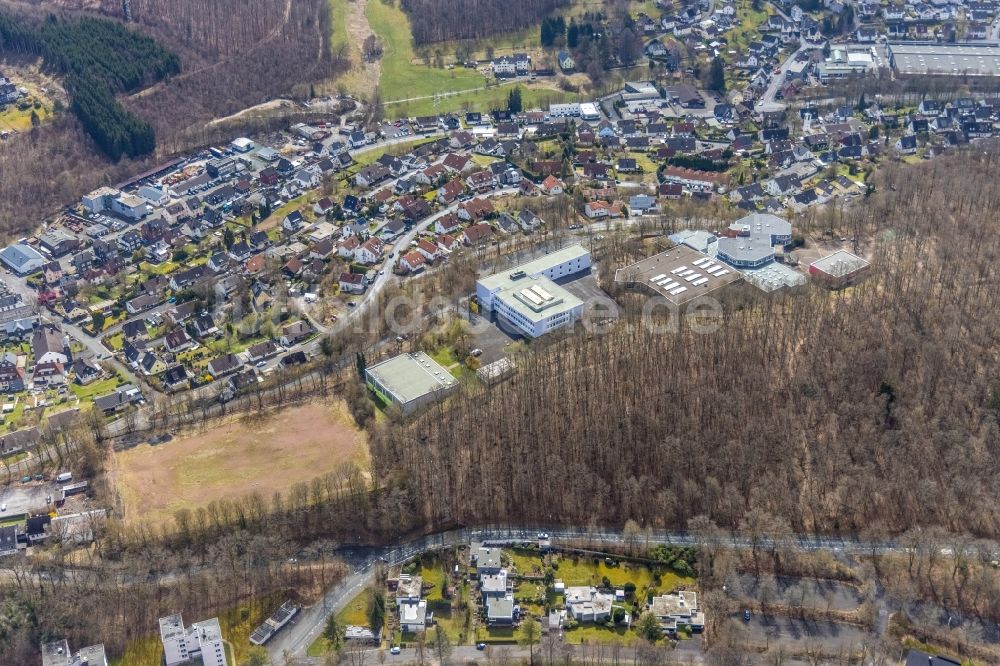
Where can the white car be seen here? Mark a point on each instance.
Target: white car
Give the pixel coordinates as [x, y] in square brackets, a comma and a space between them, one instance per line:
[3, 507]
[394, 649]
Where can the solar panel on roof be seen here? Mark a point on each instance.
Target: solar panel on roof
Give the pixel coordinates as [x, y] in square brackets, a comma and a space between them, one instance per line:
[721, 273]
[544, 295]
[678, 290]
[670, 285]
[692, 277]
[699, 282]
[679, 269]
[701, 262]
[531, 297]
[658, 277]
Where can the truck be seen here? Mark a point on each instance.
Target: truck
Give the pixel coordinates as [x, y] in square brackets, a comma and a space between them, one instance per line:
[64, 477]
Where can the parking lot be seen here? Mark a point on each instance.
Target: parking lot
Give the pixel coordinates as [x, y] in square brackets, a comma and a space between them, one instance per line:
[490, 338]
[796, 592]
[794, 634]
[22, 498]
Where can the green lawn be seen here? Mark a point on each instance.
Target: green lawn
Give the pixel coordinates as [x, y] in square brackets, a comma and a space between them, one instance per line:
[14, 118]
[486, 634]
[432, 575]
[158, 269]
[94, 389]
[747, 30]
[583, 571]
[594, 633]
[478, 100]
[338, 17]
[15, 416]
[116, 341]
[401, 78]
[354, 614]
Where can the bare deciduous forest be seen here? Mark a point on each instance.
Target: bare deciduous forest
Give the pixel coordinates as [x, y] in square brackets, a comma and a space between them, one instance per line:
[876, 406]
[443, 20]
[120, 605]
[234, 55]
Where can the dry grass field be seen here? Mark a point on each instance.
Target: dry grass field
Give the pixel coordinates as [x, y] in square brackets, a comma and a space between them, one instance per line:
[236, 459]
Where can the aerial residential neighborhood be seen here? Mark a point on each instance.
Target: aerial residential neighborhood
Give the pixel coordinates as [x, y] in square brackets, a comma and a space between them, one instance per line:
[513, 332]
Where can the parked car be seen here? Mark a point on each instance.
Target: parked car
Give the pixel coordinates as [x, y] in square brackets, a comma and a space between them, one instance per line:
[746, 615]
[394, 649]
[480, 646]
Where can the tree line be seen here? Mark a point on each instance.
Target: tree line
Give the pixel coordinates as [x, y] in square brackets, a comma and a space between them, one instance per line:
[443, 20]
[833, 411]
[100, 59]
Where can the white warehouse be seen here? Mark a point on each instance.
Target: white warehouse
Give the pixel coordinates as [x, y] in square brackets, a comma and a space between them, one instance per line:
[527, 298]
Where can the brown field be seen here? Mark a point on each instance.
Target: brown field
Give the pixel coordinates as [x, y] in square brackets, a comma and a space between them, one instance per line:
[236, 459]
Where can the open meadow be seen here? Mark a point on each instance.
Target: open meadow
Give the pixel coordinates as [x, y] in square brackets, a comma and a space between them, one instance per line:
[244, 456]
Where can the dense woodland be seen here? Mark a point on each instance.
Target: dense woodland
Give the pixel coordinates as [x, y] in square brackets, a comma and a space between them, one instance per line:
[233, 54]
[443, 20]
[834, 412]
[99, 59]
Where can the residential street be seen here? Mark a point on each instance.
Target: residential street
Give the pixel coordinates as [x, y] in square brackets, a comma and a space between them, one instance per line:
[295, 639]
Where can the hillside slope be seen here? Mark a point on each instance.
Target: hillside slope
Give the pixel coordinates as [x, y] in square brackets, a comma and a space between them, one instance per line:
[874, 408]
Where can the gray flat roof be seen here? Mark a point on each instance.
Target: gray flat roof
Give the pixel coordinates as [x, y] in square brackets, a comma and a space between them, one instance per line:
[411, 376]
[746, 249]
[951, 59]
[773, 276]
[502, 280]
[537, 298]
[840, 263]
[679, 267]
[764, 223]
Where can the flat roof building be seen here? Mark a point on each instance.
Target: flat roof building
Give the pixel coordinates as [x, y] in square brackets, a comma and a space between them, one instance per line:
[773, 276]
[845, 61]
[526, 296]
[745, 252]
[536, 306]
[57, 653]
[679, 275]
[640, 90]
[776, 230]
[838, 269]
[409, 381]
[589, 111]
[413, 615]
[981, 59]
[201, 642]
